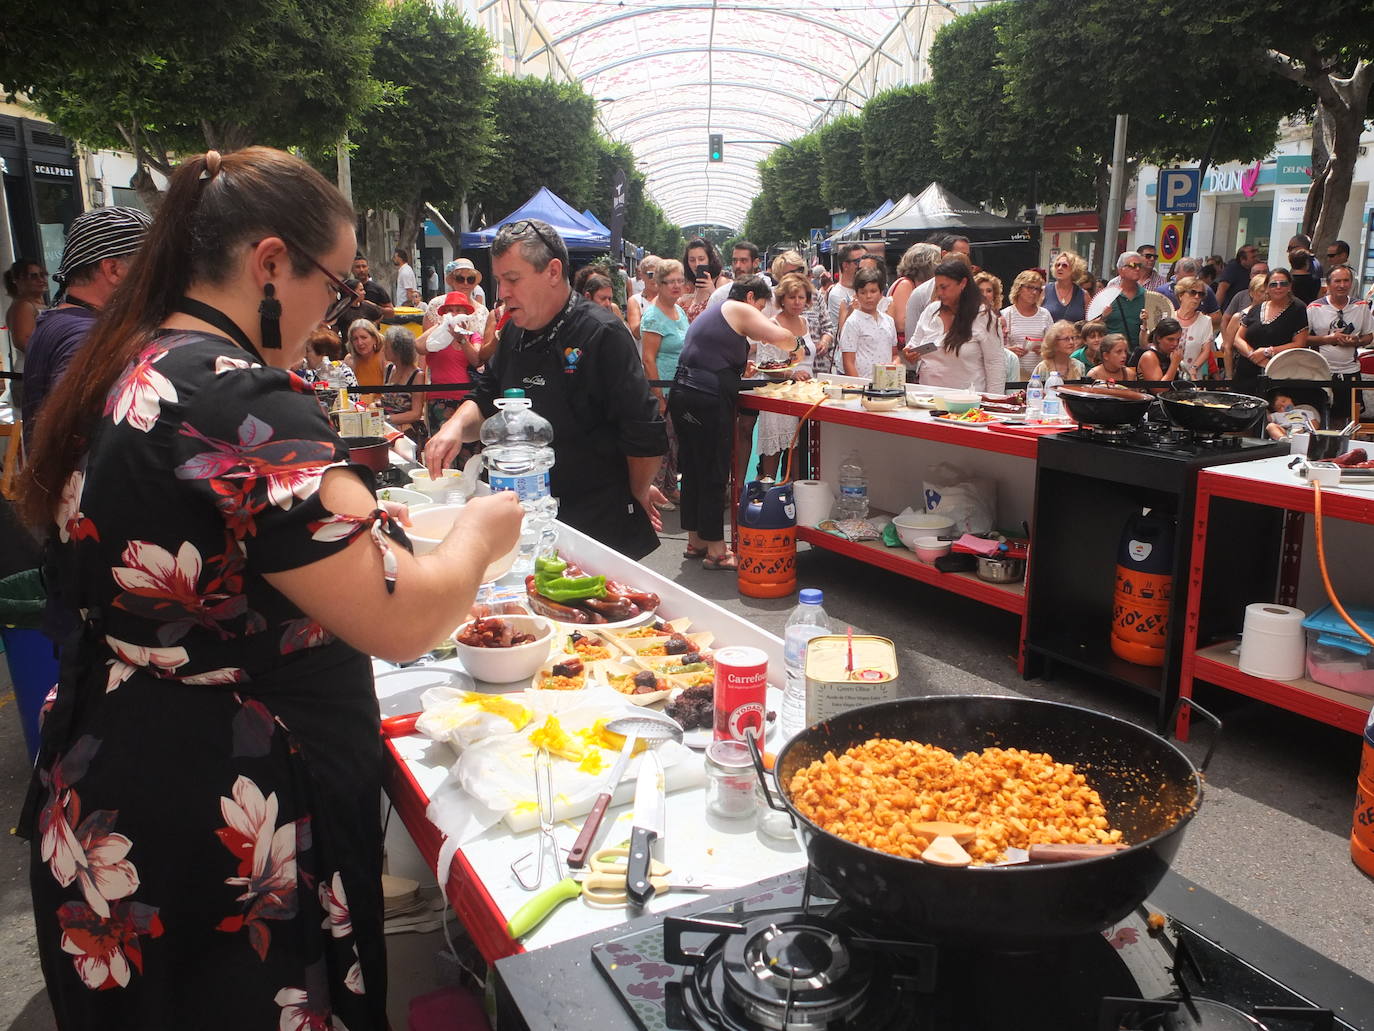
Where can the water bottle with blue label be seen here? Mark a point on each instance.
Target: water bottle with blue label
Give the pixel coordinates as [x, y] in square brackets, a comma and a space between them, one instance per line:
[517, 453]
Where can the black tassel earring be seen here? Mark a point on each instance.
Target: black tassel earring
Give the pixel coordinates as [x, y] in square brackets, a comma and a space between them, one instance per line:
[269, 318]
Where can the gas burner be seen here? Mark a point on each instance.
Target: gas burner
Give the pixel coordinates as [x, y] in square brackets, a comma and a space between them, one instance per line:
[393, 477]
[789, 970]
[1218, 441]
[1106, 434]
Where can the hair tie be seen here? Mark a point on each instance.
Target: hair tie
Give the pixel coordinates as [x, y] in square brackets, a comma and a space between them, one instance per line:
[213, 160]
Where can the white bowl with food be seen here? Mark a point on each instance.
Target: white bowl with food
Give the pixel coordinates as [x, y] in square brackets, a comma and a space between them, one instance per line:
[500, 663]
[429, 526]
[435, 490]
[412, 499]
[922, 524]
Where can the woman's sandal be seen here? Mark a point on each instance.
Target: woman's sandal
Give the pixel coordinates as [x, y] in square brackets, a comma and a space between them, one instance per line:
[692, 552]
[726, 561]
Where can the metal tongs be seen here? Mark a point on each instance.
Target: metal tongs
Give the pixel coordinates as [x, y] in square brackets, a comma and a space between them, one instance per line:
[548, 844]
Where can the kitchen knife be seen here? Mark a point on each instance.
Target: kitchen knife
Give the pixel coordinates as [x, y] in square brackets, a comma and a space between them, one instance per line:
[583, 844]
[650, 804]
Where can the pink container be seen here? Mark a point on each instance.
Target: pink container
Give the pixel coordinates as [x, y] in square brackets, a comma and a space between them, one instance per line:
[928, 549]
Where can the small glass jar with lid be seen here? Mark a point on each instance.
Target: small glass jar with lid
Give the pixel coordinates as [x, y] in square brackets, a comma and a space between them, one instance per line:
[730, 781]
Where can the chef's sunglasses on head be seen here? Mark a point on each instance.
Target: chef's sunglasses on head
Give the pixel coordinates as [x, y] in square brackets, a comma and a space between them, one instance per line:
[345, 297]
[518, 228]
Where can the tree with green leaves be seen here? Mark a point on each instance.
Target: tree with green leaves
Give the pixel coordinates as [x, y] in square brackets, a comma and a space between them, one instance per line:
[430, 141]
[841, 154]
[546, 136]
[160, 78]
[1232, 114]
[899, 155]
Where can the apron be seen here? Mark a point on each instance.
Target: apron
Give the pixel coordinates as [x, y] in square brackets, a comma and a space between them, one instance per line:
[590, 477]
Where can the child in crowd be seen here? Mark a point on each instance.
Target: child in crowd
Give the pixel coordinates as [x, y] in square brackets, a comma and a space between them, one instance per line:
[1093, 333]
[869, 336]
[1285, 417]
[1113, 368]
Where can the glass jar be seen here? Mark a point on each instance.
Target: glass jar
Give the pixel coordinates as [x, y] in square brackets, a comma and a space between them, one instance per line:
[730, 780]
[774, 823]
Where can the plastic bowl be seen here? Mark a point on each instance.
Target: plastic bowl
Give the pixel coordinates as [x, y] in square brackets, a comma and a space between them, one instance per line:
[413, 499]
[922, 525]
[508, 665]
[957, 404]
[429, 526]
[928, 549]
[436, 489]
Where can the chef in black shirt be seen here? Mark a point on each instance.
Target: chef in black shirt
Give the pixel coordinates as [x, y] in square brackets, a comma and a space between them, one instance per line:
[580, 368]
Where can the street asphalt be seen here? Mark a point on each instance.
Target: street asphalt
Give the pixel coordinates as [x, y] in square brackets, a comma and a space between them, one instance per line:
[1272, 836]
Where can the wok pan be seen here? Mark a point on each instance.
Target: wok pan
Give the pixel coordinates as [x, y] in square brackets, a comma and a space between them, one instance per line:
[1149, 788]
[1197, 410]
[1105, 406]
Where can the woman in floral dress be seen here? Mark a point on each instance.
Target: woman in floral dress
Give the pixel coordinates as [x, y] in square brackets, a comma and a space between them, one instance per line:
[204, 813]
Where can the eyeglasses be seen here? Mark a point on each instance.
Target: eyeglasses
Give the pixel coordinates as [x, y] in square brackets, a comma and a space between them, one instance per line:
[518, 228]
[1134, 264]
[344, 297]
[1279, 282]
[472, 278]
[1195, 293]
[1149, 257]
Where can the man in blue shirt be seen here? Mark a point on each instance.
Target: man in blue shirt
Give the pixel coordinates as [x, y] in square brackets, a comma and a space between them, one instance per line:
[99, 247]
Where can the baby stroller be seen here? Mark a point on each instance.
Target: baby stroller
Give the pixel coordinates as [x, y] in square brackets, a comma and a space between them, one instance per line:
[1301, 364]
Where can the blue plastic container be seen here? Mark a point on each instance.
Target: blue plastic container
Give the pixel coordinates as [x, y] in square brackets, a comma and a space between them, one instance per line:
[33, 671]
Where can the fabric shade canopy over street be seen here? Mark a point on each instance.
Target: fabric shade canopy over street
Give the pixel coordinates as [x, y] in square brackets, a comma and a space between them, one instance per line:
[668, 73]
[577, 230]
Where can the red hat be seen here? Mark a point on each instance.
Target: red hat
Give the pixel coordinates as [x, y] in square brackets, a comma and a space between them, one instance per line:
[457, 299]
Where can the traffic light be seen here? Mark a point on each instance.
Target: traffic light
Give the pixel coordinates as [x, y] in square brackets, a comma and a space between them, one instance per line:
[717, 146]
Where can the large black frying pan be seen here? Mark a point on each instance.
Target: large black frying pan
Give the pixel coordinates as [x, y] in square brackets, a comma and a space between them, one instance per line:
[1105, 406]
[1149, 788]
[1213, 411]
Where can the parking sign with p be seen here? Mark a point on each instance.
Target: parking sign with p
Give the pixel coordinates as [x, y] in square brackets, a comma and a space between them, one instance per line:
[1178, 191]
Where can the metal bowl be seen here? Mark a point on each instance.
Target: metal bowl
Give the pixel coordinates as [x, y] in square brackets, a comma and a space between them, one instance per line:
[1001, 570]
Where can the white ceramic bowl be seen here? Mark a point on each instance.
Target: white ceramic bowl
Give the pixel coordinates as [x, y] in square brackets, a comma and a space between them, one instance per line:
[412, 499]
[922, 525]
[435, 489]
[430, 525]
[928, 549]
[509, 665]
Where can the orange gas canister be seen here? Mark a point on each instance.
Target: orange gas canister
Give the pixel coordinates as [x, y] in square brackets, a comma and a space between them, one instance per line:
[767, 544]
[1362, 833]
[1144, 587]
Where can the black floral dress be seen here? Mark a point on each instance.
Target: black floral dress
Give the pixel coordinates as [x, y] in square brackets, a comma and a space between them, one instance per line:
[207, 850]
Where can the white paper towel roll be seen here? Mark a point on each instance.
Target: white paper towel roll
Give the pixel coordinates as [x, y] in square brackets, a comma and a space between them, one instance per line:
[814, 499]
[1273, 644]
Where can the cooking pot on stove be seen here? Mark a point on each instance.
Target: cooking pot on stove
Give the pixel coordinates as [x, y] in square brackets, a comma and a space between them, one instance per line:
[1105, 406]
[1149, 788]
[1213, 411]
[371, 452]
[878, 399]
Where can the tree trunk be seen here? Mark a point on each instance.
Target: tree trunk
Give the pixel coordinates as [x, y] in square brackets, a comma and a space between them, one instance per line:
[411, 216]
[1103, 185]
[1321, 162]
[377, 249]
[1345, 121]
[444, 226]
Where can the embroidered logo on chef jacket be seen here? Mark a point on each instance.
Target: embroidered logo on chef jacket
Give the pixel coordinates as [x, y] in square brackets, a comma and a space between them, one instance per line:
[571, 356]
[533, 381]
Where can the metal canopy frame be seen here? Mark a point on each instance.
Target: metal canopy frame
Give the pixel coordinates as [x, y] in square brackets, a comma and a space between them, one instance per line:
[667, 73]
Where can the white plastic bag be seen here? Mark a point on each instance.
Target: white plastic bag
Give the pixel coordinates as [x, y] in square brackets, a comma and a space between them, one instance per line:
[955, 493]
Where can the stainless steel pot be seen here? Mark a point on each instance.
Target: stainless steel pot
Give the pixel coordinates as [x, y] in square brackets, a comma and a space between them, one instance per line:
[1001, 570]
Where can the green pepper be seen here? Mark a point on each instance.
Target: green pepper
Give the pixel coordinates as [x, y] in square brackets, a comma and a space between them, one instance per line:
[550, 565]
[564, 589]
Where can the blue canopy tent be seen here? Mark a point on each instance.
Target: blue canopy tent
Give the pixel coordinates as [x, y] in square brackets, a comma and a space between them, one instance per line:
[577, 232]
[596, 222]
[851, 230]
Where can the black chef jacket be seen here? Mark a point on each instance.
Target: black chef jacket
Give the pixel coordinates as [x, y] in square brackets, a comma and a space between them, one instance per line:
[583, 373]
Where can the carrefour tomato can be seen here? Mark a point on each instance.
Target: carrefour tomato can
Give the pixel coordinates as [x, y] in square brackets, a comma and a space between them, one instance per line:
[741, 692]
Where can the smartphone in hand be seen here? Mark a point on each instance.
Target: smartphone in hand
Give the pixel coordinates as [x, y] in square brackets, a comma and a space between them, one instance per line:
[917, 350]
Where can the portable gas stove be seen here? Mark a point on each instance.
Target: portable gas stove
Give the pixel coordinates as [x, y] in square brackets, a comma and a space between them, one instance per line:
[778, 957]
[1164, 438]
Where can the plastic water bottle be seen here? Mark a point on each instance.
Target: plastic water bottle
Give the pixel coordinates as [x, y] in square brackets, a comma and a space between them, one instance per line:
[1054, 404]
[807, 620]
[517, 455]
[1035, 400]
[853, 503]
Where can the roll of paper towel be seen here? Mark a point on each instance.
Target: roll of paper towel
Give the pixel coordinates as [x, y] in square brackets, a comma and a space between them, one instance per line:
[814, 499]
[1273, 644]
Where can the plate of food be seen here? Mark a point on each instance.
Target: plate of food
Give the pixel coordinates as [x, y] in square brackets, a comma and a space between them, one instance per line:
[569, 595]
[780, 368]
[973, 417]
